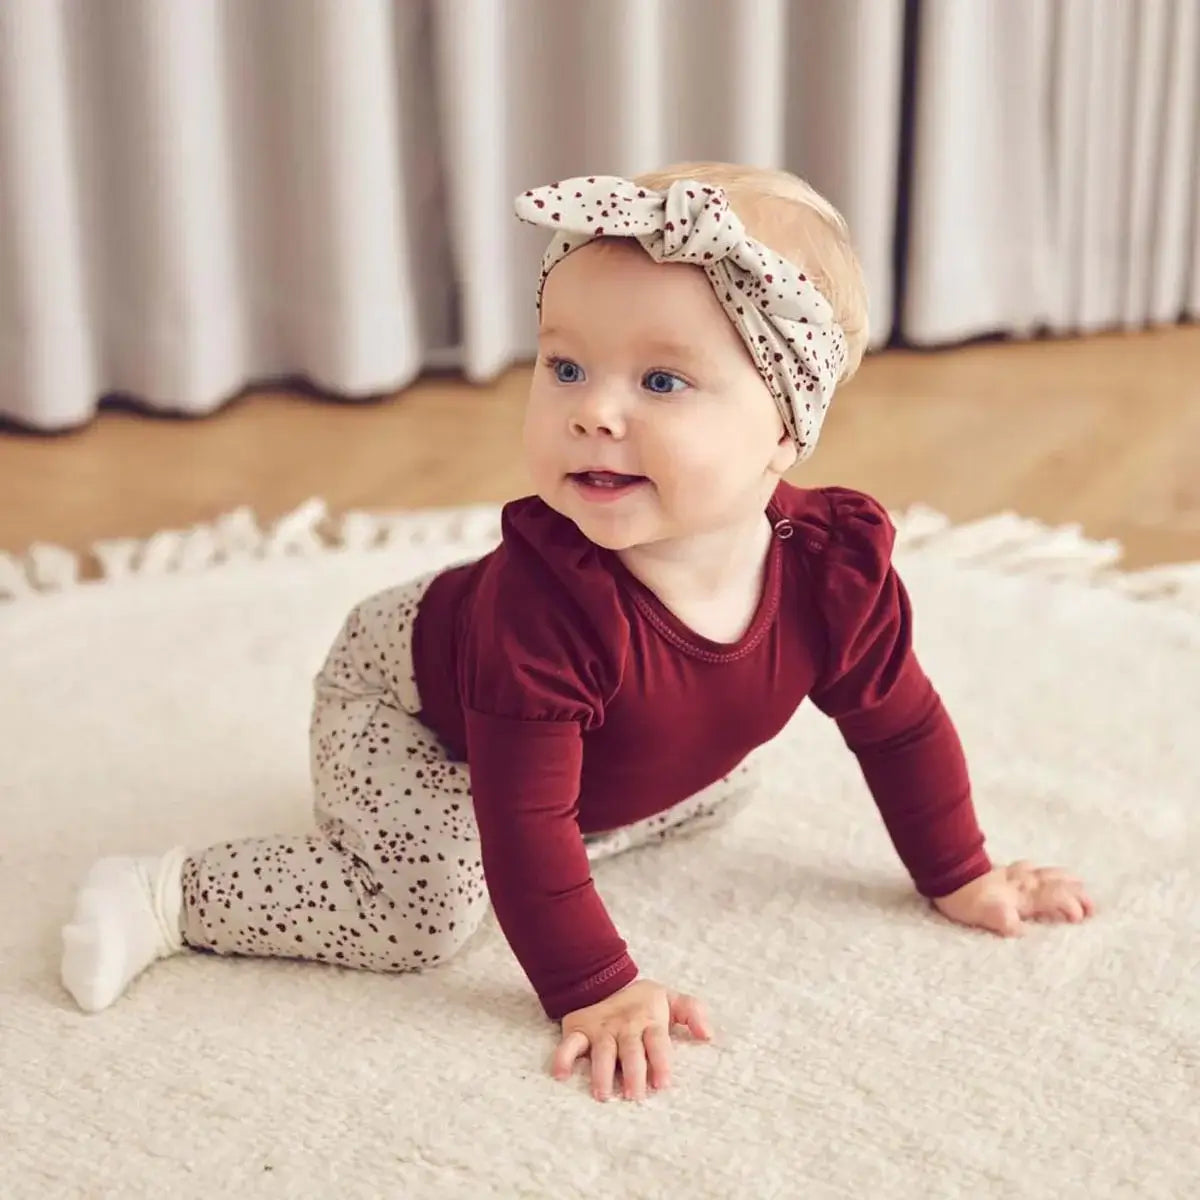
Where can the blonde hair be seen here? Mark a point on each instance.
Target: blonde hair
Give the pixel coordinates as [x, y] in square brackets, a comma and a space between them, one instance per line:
[797, 222]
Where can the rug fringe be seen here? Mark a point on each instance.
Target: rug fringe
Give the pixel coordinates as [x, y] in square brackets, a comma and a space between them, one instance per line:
[1005, 542]
[1014, 545]
[237, 537]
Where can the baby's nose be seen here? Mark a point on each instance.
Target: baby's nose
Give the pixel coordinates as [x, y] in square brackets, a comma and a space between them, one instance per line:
[598, 415]
[595, 427]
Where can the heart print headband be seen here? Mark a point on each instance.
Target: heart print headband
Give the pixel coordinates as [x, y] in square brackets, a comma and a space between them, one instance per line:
[787, 325]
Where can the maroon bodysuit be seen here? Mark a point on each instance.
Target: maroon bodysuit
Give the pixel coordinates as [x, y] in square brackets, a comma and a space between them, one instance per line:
[581, 703]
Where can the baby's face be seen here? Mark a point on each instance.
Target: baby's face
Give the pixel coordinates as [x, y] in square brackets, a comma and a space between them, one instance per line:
[647, 419]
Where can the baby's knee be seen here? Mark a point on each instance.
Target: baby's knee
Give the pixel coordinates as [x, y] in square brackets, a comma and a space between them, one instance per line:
[373, 650]
[441, 911]
[446, 941]
[348, 669]
[437, 936]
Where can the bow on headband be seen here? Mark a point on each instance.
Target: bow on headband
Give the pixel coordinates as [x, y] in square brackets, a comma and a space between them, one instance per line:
[785, 322]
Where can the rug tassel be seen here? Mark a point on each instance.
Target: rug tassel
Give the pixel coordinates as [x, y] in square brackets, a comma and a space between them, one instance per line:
[42, 568]
[1004, 542]
[1010, 543]
[1019, 545]
[364, 530]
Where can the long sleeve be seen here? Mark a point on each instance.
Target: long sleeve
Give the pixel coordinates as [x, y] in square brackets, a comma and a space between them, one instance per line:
[541, 658]
[886, 707]
[525, 782]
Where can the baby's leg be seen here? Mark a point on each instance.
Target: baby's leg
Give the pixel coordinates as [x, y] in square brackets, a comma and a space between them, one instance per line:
[391, 879]
[293, 897]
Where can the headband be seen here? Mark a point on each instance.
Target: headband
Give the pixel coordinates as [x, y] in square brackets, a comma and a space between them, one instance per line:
[787, 325]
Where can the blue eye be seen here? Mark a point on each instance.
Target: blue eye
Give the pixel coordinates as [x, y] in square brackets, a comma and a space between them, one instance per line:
[565, 371]
[663, 383]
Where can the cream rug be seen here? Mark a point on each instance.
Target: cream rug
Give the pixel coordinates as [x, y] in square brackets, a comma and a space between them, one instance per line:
[865, 1048]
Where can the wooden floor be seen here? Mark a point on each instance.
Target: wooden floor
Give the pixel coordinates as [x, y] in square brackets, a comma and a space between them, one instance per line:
[1104, 431]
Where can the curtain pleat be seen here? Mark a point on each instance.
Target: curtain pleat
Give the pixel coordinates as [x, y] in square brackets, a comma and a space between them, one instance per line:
[49, 372]
[197, 196]
[843, 127]
[1054, 183]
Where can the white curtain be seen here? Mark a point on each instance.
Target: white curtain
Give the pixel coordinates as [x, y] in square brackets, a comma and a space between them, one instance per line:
[1055, 179]
[197, 195]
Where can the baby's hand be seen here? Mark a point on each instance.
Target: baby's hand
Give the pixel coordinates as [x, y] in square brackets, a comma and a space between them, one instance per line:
[1003, 899]
[632, 1025]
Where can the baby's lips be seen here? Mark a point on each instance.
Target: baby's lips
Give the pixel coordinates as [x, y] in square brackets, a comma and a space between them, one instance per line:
[604, 474]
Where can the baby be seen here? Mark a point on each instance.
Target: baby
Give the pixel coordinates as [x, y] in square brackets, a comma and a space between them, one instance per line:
[656, 612]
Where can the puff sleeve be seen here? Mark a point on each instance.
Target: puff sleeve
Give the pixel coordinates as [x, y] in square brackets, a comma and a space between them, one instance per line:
[540, 659]
[885, 706]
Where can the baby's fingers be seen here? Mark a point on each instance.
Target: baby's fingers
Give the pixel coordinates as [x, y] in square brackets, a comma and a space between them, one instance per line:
[1080, 899]
[1064, 901]
[687, 1010]
[572, 1047]
[658, 1054]
[604, 1066]
[1003, 916]
[1045, 875]
[633, 1065]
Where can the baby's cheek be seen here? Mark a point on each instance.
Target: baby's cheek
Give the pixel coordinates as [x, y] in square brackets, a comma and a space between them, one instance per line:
[539, 441]
[698, 484]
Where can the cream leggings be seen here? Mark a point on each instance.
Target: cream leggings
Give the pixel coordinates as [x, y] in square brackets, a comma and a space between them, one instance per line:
[390, 879]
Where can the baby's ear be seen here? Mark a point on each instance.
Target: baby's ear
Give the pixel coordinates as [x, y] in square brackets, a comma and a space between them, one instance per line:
[786, 454]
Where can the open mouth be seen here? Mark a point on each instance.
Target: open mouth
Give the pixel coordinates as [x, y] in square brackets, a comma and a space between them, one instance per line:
[605, 485]
[608, 479]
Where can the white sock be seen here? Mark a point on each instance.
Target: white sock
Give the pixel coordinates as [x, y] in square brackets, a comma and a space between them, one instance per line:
[126, 917]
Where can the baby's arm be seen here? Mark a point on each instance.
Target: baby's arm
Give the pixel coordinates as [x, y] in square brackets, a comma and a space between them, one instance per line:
[910, 754]
[544, 648]
[914, 765]
[525, 778]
